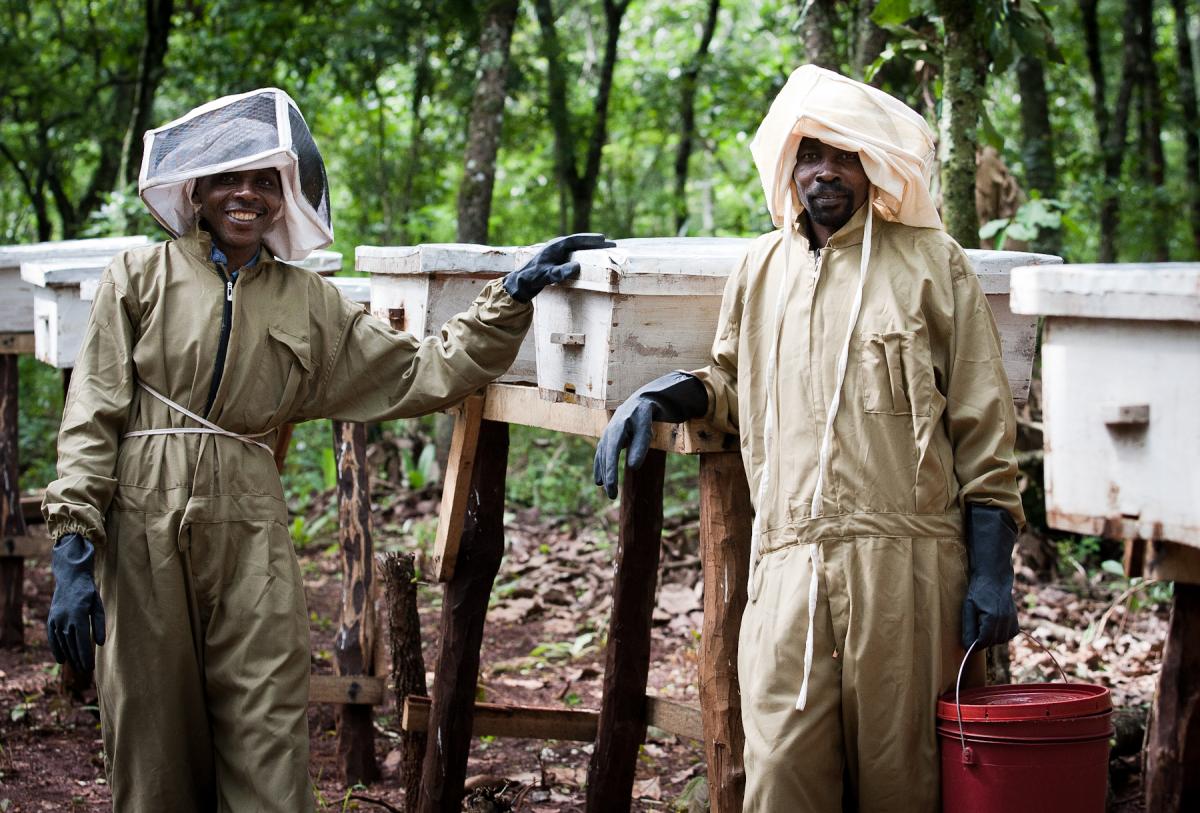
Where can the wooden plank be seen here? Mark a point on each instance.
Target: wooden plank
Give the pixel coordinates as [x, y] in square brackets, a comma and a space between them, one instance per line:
[12, 520]
[354, 644]
[283, 442]
[461, 462]
[31, 507]
[408, 665]
[17, 343]
[35, 544]
[627, 656]
[345, 689]
[1172, 775]
[1169, 562]
[726, 516]
[464, 607]
[548, 723]
[513, 403]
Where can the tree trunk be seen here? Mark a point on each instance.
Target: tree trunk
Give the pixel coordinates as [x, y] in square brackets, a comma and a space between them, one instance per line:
[1112, 129]
[487, 118]
[818, 18]
[422, 79]
[408, 665]
[150, 74]
[869, 43]
[1038, 149]
[687, 114]
[1151, 109]
[12, 520]
[1187, 101]
[962, 99]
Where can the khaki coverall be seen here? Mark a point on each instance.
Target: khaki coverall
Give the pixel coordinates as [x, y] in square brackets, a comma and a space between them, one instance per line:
[926, 422]
[203, 681]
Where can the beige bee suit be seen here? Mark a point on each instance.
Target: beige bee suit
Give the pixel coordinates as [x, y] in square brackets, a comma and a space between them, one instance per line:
[925, 422]
[203, 681]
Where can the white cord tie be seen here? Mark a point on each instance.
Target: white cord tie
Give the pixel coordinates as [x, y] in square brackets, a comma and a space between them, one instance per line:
[206, 427]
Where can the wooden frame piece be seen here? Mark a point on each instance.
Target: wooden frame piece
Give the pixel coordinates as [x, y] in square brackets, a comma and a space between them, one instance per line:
[461, 462]
[346, 689]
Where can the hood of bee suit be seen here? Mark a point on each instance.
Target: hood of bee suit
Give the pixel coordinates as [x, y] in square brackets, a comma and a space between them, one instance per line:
[896, 146]
[262, 128]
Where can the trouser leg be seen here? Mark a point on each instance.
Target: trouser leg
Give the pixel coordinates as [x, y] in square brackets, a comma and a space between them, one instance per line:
[148, 674]
[256, 666]
[896, 610]
[793, 758]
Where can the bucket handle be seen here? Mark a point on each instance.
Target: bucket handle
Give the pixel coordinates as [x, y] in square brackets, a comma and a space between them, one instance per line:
[968, 757]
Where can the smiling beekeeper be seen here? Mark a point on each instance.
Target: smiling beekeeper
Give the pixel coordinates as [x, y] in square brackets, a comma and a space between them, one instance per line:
[197, 351]
[859, 361]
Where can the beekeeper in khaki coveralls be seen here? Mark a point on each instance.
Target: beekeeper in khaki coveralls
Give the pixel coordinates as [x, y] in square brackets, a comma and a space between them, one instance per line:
[858, 360]
[198, 350]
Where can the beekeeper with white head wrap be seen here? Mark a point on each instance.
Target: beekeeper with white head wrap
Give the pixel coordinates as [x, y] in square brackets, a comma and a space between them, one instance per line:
[171, 534]
[858, 360]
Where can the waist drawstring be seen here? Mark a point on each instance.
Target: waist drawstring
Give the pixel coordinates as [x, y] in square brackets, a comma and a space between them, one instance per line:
[206, 427]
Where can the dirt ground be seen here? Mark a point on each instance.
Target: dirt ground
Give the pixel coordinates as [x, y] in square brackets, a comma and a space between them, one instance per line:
[543, 645]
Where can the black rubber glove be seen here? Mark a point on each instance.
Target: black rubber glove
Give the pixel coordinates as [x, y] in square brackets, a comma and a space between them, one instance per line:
[76, 615]
[552, 264]
[674, 397]
[989, 615]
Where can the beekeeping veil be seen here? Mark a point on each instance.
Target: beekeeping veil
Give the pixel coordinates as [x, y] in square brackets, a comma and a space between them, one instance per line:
[896, 148]
[262, 128]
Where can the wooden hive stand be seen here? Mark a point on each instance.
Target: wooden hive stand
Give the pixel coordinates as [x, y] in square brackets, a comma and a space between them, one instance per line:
[469, 547]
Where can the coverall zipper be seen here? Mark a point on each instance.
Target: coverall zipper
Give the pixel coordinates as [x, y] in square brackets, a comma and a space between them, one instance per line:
[223, 343]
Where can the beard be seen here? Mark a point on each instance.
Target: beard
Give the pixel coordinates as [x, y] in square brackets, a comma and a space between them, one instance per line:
[829, 204]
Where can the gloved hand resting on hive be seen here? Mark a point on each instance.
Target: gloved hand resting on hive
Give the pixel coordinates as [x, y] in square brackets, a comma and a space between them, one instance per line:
[552, 264]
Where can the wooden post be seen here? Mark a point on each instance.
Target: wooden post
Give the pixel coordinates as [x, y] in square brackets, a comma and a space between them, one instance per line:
[464, 607]
[726, 517]
[283, 440]
[12, 521]
[408, 666]
[354, 646]
[1172, 768]
[622, 725]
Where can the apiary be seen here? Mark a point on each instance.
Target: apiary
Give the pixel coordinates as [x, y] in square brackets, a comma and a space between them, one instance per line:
[650, 306]
[16, 294]
[1120, 385]
[418, 288]
[322, 262]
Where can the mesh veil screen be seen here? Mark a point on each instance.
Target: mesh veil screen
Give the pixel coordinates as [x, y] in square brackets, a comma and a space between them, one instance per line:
[313, 183]
[244, 127]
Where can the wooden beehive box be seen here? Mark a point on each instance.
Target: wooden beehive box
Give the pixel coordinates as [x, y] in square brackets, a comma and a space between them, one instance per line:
[650, 306]
[634, 312]
[1018, 332]
[16, 295]
[418, 288]
[356, 289]
[1120, 388]
[60, 314]
[322, 262]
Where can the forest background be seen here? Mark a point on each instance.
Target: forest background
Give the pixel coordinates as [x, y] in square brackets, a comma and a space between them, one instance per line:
[507, 122]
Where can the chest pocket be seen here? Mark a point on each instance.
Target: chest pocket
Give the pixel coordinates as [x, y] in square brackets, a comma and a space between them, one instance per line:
[894, 374]
[292, 359]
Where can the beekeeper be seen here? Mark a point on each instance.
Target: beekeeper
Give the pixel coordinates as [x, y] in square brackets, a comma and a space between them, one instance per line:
[198, 350]
[858, 360]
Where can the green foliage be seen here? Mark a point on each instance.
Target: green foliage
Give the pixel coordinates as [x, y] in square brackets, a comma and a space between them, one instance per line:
[1032, 218]
[41, 402]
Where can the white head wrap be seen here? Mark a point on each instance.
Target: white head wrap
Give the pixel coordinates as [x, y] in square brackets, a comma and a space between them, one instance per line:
[262, 128]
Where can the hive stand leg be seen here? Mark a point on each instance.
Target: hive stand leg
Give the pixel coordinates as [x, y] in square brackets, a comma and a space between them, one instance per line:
[408, 665]
[1172, 773]
[12, 521]
[354, 646]
[726, 518]
[283, 441]
[464, 607]
[622, 726]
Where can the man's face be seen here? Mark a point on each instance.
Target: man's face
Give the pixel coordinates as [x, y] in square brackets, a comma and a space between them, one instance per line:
[830, 183]
[239, 206]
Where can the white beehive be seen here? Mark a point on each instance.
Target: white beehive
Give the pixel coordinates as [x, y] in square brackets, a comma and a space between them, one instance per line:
[650, 306]
[356, 289]
[1018, 332]
[633, 313]
[322, 262]
[60, 315]
[16, 295]
[418, 288]
[1120, 388]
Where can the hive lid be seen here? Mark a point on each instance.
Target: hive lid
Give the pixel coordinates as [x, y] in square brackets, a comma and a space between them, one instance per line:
[322, 262]
[356, 289]
[436, 258]
[13, 256]
[1030, 701]
[63, 273]
[1139, 291]
[994, 268]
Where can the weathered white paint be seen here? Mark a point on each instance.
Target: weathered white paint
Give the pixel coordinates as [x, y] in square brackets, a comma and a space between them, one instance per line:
[649, 306]
[1120, 384]
[16, 294]
[322, 262]
[356, 289]
[419, 288]
[60, 315]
